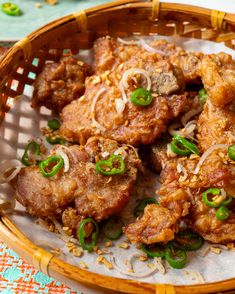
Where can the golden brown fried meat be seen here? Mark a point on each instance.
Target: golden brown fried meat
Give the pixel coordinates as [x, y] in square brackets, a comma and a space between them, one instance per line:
[104, 100]
[216, 125]
[181, 195]
[218, 76]
[188, 62]
[60, 83]
[204, 221]
[82, 187]
[157, 224]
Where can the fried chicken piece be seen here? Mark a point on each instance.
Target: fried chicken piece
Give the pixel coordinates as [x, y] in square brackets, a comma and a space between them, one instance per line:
[217, 125]
[218, 76]
[157, 224]
[204, 221]
[188, 62]
[82, 187]
[79, 119]
[60, 83]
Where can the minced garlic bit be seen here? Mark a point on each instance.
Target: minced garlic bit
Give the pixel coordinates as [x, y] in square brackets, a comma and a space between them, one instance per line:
[143, 258]
[70, 246]
[83, 264]
[77, 252]
[68, 231]
[108, 244]
[123, 245]
[106, 263]
[151, 265]
[215, 250]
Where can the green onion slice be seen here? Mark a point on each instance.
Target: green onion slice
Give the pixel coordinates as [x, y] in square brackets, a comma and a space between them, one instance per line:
[222, 213]
[182, 146]
[141, 97]
[114, 165]
[156, 250]
[213, 203]
[187, 240]
[26, 157]
[176, 258]
[11, 9]
[112, 228]
[50, 166]
[54, 124]
[82, 234]
[231, 152]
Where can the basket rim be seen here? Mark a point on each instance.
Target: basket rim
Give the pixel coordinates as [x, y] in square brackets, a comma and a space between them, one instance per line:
[13, 237]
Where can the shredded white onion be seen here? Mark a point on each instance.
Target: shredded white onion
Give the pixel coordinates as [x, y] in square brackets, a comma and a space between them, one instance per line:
[65, 158]
[150, 49]
[105, 154]
[169, 151]
[131, 42]
[69, 151]
[134, 149]
[192, 200]
[94, 121]
[121, 151]
[7, 165]
[181, 169]
[191, 113]
[187, 131]
[207, 153]
[134, 71]
[120, 105]
[130, 260]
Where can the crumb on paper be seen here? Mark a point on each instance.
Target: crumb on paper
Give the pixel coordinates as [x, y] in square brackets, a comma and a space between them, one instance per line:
[215, 250]
[123, 245]
[83, 264]
[38, 5]
[108, 244]
[77, 252]
[106, 263]
[143, 258]
[151, 265]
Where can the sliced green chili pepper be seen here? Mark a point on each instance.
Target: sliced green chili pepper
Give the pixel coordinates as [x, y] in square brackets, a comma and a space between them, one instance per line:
[182, 146]
[112, 166]
[11, 9]
[46, 164]
[112, 228]
[222, 213]
[156, 250]
[176, 258]
[187, 240]
[55, 140]
[142, 204]
[54, 124]
[141, 97]
[215, 191]
[82, 234]
[25, 158]
[203, 95]
[231, 152]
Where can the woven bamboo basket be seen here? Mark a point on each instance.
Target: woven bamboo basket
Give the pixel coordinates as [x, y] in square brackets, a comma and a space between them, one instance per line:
[78, 31]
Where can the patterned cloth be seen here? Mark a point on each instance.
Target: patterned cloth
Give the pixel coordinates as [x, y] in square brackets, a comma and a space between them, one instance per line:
[18, 277]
